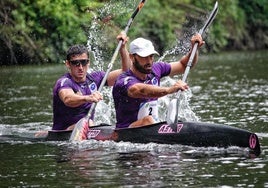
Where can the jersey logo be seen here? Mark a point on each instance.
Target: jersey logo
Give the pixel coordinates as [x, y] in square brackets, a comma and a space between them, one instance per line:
[126, 80]
[154, 81]
[93, 87]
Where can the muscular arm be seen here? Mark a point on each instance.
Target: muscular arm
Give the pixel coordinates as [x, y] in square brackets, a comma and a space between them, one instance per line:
[125, 60]
[71, 99]
[141, 90]
[179, 66]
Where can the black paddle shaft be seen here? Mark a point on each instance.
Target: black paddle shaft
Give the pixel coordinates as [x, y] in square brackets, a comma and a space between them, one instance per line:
[208, 22]
[190, 61]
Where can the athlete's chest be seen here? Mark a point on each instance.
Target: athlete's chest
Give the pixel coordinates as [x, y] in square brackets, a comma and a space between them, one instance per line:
[85, 88]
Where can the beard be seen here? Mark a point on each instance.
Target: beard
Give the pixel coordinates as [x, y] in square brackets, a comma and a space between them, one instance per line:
[140, 68]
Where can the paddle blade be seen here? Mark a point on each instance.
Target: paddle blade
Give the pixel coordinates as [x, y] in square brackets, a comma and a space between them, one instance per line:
[80, 130]
[172, 112]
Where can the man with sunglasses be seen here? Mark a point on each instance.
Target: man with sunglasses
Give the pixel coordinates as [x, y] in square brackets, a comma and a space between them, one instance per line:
[136, 91]
[74, 92]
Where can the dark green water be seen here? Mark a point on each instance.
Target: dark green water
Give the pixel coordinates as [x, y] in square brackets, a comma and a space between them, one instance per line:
[229, 88]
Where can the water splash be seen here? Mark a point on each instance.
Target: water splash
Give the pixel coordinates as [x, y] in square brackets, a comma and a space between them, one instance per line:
[99, 42]
[182, 46]
[93, 44]
[103, 28]
[185, 113]
[96, 40]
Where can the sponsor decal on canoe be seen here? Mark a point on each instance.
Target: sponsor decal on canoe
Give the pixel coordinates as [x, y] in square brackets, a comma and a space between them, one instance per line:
[179, 127]
[93, 133]
[252, 141]
[166, 129]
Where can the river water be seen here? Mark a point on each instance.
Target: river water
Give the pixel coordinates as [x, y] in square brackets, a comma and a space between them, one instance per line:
[229, 88]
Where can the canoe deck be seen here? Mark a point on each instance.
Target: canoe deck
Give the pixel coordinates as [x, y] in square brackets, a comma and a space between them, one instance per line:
[197, 134]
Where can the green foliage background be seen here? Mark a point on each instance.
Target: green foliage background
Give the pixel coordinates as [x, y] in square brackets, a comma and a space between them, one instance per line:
[40, 31]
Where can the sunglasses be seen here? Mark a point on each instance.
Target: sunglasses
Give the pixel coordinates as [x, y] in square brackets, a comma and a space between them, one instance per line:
[77, 63]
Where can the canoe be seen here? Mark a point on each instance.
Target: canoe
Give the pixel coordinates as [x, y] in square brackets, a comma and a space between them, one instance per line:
[197, 134]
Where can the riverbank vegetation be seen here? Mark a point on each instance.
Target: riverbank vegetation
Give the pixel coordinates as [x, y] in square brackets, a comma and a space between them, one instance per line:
[38, 32]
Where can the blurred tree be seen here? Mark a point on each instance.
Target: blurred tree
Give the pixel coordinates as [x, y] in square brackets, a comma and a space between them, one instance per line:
[36, 32]
[256, 23]
[40, 31]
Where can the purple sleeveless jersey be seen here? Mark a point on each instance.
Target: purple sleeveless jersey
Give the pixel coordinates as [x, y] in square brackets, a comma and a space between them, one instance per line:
[126, 107]
[64, 116]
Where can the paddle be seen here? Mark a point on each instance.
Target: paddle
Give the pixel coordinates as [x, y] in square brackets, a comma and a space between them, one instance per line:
[81, 123]
[172, 115]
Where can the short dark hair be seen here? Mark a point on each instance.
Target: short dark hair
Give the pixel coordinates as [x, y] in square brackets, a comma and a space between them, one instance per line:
[76, 50]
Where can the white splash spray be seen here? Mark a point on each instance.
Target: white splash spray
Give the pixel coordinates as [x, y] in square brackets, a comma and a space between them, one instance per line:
[97, 37]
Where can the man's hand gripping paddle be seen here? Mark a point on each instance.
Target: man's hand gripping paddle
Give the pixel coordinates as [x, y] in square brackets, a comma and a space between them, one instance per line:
[84, 123]
[173, 108]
